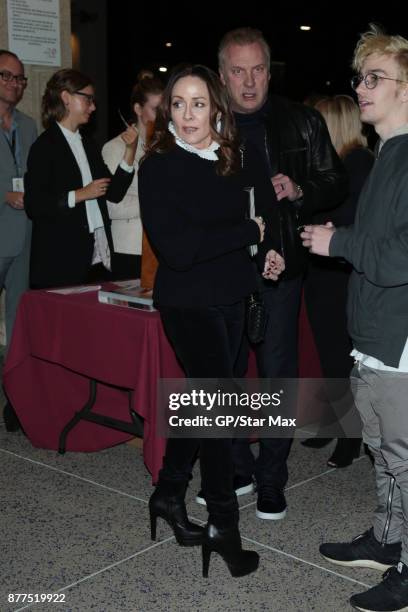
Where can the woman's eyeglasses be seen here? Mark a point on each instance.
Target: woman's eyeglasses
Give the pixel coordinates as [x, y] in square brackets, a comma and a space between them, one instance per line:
[371, 80]
[89, 97]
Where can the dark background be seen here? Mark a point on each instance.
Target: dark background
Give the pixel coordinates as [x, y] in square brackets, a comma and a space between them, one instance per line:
[317, 61]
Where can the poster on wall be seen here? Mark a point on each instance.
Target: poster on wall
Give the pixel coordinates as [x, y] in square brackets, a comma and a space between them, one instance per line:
[34, 31]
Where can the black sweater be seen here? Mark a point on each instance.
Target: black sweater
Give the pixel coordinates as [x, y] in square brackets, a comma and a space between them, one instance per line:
[195, 220]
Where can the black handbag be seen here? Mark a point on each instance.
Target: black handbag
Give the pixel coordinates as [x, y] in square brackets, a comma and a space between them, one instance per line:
[256, 318]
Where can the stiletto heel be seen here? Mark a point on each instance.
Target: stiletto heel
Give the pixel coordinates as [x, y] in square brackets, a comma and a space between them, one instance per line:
[172, 509]
[206, 553]
[153, 525]
[227, 543]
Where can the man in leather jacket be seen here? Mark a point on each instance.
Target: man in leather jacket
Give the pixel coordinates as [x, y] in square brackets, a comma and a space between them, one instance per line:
[307, 177]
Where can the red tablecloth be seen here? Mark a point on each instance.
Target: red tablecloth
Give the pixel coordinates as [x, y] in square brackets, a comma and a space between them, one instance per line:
[61, 341]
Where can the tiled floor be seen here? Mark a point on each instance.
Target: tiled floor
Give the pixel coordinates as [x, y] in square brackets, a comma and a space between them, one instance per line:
[77, 525]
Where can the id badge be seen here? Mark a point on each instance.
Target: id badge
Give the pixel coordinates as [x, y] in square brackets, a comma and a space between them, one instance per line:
[18, 184]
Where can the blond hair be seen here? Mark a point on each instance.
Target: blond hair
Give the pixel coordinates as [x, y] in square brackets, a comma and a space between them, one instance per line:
[241, 37]
[376, 41]
[342, 117]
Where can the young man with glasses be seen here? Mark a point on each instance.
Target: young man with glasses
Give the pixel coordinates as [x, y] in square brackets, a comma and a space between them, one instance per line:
[17, 133]
[377, 247]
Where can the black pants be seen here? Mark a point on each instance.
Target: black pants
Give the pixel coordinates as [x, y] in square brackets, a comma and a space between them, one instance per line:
[326, 301]
[277, 357]
[206, 342]
[125, 266]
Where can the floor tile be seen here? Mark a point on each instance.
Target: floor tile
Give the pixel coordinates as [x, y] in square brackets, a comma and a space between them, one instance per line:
[171, 581]
[56, 529]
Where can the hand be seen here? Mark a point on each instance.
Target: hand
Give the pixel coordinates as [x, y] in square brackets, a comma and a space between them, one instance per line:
[285, 188]
[92, 191]
[317, 238]
[274, 265]
[15, 199]
[130, 136]
[261, 226]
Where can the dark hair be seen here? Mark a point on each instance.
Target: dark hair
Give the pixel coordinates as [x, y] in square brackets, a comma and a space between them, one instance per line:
[52, 106]
[163, 140]
[146, 85]
[7, 52]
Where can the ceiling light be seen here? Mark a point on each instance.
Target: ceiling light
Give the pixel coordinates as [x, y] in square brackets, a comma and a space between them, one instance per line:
[305, 28]
[162, 68]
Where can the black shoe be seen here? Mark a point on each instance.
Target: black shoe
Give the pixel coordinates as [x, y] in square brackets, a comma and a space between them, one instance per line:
[363, 551]
[11, 420]
[242, 486]
[316, 442]
[173, 510]
[391, 595]
[347, 449]
[271, 504]
[227, 543]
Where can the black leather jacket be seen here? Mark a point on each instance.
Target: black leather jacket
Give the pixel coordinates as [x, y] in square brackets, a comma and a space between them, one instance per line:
[297, 143]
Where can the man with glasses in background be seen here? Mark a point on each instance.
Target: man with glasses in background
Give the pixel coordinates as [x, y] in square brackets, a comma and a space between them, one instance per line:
[17, 133]
[377, 247]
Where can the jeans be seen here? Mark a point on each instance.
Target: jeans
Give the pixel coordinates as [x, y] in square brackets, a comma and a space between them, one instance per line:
[277, 357]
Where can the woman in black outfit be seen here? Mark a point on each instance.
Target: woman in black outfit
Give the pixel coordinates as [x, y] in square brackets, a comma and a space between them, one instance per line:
[67, 184]
[193, 208]
[327, 279]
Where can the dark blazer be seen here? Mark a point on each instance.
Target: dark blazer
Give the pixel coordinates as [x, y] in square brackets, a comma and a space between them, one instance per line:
[62, 247]
[298, 144]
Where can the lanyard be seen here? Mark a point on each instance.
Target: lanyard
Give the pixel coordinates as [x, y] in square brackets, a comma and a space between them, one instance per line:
[12, 146]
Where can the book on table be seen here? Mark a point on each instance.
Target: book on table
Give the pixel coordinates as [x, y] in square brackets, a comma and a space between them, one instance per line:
[127, 293]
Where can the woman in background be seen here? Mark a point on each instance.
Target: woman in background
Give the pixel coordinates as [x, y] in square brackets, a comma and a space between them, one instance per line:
[66, 187]
[126, 223]
[327, 279]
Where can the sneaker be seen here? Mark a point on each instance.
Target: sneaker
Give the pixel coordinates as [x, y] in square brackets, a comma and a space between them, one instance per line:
[242, 486]
[391, 595]
[363, 551]
[271, 504]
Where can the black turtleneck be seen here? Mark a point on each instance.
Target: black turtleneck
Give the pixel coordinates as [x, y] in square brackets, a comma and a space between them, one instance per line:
[251, 127]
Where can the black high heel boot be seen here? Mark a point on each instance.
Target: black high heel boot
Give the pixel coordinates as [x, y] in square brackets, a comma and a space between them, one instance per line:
[346, 450]
[171, 508]
[227, 543]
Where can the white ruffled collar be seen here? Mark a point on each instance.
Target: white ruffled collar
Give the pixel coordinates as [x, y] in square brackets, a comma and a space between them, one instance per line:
[208, 153]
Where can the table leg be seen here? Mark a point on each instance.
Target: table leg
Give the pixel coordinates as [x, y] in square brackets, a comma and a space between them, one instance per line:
[78, 416]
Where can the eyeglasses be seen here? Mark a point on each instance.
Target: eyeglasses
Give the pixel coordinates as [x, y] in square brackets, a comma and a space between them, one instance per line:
[89, 97]
[371, 80]
[7, 76]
